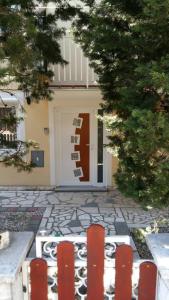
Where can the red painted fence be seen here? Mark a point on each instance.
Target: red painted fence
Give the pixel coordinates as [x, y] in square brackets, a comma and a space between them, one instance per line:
[95, 271]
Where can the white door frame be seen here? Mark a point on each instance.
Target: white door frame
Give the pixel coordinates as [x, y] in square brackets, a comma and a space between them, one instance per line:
[54, 126]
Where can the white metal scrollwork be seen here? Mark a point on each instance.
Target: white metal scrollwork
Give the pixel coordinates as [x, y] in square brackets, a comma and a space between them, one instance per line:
[46, 247]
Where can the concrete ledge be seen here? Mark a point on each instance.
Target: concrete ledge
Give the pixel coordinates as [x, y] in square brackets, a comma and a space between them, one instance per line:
[159, 247]
[11, 258]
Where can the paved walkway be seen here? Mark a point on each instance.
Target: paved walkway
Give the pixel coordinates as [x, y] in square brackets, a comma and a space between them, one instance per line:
[72, 212]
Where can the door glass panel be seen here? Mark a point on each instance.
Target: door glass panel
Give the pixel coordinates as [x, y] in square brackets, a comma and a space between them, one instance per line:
[100, 149]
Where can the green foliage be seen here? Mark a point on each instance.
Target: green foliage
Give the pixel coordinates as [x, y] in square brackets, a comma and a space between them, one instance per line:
[16, 157]
[142, 143]
[127, 43]
[29, 44]
[139, 235]
[154, 227]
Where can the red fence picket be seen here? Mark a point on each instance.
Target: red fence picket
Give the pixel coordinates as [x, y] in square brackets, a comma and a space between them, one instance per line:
[39, 281]
[95, 262]
[66, 276]
[147, 281]
[123, 265]
[95, 271]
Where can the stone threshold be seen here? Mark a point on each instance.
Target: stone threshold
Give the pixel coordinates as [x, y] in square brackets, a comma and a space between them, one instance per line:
[85, 188]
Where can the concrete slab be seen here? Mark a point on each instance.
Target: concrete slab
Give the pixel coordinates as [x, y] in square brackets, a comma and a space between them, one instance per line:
[12, 257]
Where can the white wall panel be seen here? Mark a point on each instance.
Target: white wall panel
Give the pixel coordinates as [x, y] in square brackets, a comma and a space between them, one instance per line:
[78, 71]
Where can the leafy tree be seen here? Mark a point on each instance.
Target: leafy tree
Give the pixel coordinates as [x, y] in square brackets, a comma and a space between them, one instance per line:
[29, 44]
[127, 42]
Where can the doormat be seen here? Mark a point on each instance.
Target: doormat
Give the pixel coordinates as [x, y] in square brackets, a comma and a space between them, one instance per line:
[21, 218]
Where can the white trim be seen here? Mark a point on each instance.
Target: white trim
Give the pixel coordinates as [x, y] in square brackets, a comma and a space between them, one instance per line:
[21, 125]
[8, 99]
[107, 159]
[93, 147]
[11, 98]
[52, 144]
[57, 132]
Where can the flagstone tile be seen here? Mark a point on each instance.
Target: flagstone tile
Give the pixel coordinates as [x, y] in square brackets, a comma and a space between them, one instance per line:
[74, 223]
[65, 231]
[82, 209]
[76, 229]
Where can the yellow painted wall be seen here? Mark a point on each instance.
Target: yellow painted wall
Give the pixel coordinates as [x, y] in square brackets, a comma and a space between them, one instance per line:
[36, 119]
[77, 98]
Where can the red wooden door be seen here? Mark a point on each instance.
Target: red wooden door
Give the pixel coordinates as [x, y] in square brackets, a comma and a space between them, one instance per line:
[74, 148]
[84, 147]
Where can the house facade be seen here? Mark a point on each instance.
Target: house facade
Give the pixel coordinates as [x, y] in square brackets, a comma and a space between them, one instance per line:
[70, 136]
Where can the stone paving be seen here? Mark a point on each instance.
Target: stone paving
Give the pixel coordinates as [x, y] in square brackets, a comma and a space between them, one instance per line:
[70, 213]
[21, 218]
